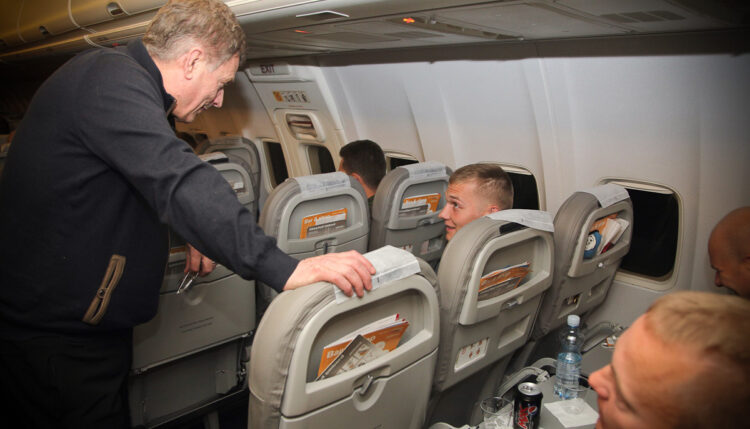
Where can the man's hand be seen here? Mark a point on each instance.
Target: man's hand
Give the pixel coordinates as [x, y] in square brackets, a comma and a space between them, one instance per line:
[196, 262]
[350, 271]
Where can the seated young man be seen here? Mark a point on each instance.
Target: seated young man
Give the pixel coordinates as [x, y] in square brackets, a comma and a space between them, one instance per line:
[475, 190]
[685, 363]
[365, 161]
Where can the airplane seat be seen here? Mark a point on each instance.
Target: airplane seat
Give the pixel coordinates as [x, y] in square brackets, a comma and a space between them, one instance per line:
[193, 352]
[314, 215]
[390, 390]
[583, 275]
[244, 153]
[317, 214]
[492, 278]
[406, 207]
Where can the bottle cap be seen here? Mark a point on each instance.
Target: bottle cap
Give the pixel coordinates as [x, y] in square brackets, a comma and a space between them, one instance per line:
[573, 320]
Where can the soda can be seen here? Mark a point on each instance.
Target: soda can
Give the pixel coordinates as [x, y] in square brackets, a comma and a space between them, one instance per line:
[527, 407]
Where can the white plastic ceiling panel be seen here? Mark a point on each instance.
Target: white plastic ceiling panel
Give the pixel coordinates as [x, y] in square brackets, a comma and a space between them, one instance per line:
[529, 21]
[651, 15]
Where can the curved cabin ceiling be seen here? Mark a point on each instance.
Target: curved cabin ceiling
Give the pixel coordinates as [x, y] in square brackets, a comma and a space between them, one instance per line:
[34, 29]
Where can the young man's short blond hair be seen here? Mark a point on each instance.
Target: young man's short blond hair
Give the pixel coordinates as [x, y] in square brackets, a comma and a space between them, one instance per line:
[493, 182]
[716, 328]
[181, 23]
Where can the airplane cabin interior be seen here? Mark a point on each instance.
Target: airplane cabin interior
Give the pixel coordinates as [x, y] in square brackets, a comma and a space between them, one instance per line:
[598, 110]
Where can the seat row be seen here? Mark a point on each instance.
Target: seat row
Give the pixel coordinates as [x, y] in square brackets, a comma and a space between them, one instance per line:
[462, 319]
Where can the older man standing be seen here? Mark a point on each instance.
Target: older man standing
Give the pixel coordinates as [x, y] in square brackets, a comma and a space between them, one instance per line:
[685, 363]
[93, 177]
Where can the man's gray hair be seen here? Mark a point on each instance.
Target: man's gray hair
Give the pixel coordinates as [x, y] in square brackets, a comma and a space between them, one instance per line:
[210, 23]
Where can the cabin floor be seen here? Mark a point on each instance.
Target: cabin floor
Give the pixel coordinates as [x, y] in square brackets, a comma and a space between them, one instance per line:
[232, 414]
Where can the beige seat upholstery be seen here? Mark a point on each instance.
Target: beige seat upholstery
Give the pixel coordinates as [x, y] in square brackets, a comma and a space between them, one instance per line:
[581, 284]
[314, 215]
[318, 214]
[390, 391]
[477, 330]
[192, 352]
[246, 181]
[406, 207]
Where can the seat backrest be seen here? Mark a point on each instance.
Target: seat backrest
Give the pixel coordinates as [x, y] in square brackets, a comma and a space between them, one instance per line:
[244, 153]
[583, 277]
[492, 278]
[389, 391]
[199, 334]
[406, 207]
[318, 214]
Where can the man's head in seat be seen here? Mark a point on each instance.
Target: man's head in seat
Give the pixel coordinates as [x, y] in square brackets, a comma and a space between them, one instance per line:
[475, 190]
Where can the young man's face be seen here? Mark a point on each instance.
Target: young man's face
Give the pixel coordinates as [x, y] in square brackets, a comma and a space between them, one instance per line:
[464, 203]
[640, 388]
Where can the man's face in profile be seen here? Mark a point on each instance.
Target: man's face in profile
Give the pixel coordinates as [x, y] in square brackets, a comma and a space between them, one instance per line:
[639, 389]
[731, 272]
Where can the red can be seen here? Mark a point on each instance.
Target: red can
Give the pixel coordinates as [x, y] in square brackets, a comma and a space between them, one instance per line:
[527, 407]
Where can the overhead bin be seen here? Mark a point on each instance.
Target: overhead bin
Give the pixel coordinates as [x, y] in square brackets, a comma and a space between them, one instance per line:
[91, 12]
[277, 28]
[112, 33]
[42, 18]
[69, 44]
[9, 23]
[132, 7]
[120, 32]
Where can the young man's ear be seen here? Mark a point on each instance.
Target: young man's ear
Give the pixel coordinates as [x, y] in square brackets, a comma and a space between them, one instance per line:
[359, 178]
[492, 209]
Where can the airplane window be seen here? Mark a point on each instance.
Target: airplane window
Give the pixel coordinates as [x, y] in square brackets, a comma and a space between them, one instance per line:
[276, 162]
[320, 159]
[394, 160]
[525, 192]
[653, 248]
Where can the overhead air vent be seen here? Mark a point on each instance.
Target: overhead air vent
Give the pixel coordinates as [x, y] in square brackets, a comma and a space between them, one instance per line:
[650, 16]
[413, 35]
[323, 15]
[433, 24]
[349, 37]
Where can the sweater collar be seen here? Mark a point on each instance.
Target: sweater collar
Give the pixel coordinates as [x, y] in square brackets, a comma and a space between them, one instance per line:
[138, 51]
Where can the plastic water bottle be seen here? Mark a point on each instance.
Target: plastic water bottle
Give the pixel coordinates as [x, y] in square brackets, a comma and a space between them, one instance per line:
[569, 359]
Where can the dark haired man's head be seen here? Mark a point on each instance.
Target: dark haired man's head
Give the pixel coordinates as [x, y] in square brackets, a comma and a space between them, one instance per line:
[365, 161]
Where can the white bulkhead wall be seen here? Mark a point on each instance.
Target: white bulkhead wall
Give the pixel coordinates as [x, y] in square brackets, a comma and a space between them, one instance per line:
[573, 113]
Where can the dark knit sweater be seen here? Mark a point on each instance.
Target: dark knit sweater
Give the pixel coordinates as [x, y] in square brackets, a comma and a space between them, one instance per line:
[95, 170]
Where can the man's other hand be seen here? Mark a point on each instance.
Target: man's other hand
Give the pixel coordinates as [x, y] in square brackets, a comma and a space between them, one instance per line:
[197, 263]
[349, 271]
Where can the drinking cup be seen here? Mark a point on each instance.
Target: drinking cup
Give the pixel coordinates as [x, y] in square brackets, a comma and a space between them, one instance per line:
[497, 412]
[577, 395]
